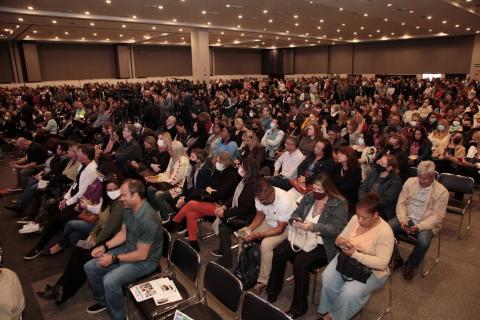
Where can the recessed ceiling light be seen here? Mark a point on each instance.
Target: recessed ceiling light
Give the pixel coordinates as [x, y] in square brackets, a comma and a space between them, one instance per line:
[270, 20]
[338, 30]
[134, 17]
[218, 40]
[35, 31]
[240, 16]
[378, 30]
[389, 4]
[108, 1]
[124, 26]
[318, 27]
[66, 32]
[430, 30]
[341, 9]
[30, 8]
[362, 27]
[239, 26]
[355, 33]
[160, 7]
[87, 12]
[54, 21]
[242, 34]
[306, 33]
[276, 37]
[180, 29]
[403, 23]
[457, 26]
[265, 11]
[417, 27]
[306, 40]
[322, 21]
[227, 5]
[27, 36]
[92, 24]
[386, 19]
[288, 39]
[20, 19]
[204, 12]
[154, 28]
[343, 24]
[287, 31]
[365, 14]
[222, 32]
[429, 17]
[56, 38]
[392, 33]
[295, 16]
[236, 41]
[121, 35]
[444, 21]
[296, 24]
[369, 35]
[468, 29]
[341, 38]
[94, 34]
[83, 38]
[260, 36]
[174, 20]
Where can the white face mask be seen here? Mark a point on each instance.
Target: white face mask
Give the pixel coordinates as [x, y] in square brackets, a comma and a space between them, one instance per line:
[114, 194]
[160, 143]
[456, 123]
[413, 123]
[251, 114]
[219, 166]
[273, 125]
[241, 172]
[361, 141]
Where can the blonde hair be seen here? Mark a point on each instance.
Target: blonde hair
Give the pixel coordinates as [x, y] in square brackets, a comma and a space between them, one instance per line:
[178, 151]
[167, 138]
[225, 158]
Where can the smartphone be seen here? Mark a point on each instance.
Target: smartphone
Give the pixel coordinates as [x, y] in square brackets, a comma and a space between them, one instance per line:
[242, 233]
[292, 220]
[344, 247]
[410, 223]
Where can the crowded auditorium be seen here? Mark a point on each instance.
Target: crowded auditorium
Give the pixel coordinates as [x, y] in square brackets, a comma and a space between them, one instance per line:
[212, 159]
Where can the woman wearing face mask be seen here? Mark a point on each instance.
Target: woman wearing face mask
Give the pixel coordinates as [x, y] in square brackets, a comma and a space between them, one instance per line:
[439, 139]
[220, 188]
[273, 138]
[419, 147]
[368, 153]
[198, 176]
[238, 211]
[454, 154]
[322, 214]
[456, 125]
[385, 181]
[109, 223]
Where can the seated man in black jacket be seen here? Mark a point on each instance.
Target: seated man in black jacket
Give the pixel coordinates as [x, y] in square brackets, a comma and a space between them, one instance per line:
[239, 211]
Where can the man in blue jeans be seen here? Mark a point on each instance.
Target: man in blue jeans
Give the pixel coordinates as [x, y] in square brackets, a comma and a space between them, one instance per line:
[130, 254]
[421, 207]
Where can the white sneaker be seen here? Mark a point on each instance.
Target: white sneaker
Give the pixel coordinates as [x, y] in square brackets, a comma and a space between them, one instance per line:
[30, 228]
[24, 221]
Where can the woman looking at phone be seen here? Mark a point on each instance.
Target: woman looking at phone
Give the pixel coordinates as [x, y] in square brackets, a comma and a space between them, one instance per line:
[321, 214]
[368, 239]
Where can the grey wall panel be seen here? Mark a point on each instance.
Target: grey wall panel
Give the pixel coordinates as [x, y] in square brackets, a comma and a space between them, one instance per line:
[158, 61]
[32, 64]
[437, 55]
[64, 61]
[311, 60]
[237, 61]
[6, 72]
[341, 59]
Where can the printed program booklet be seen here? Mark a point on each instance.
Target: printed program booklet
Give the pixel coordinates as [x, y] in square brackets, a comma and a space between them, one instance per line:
[162, 290]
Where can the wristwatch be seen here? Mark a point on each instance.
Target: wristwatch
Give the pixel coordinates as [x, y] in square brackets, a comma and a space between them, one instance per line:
[115, 259]
[105, 247]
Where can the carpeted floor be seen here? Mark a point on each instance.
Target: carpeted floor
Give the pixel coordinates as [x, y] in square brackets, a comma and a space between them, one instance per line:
[451, 291]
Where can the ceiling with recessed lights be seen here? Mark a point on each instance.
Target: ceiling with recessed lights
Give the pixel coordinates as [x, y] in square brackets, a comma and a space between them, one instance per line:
[236, 23]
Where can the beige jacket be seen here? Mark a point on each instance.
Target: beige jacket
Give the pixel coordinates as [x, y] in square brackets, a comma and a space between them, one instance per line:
[175, 177]
[435, 207]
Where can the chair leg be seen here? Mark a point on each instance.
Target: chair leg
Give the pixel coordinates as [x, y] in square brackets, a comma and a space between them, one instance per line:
[200, 234]
[314, 288]
[390, 299]
[460, 235]
[426, 271]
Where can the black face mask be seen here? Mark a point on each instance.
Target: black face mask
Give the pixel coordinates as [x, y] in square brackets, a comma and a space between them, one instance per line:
[457, 140]
[380, 168]
[466, 128]
[319, 195]
[193, 162]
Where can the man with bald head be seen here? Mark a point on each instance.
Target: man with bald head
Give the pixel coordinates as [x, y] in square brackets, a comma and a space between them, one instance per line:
[35, 154]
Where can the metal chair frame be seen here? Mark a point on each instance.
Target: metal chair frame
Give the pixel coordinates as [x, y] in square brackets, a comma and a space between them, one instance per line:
[424, 270]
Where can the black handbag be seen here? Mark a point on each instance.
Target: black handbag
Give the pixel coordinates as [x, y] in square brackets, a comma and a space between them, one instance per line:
[351, 269]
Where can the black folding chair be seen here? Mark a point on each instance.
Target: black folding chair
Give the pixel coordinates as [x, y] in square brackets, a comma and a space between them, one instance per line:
[254, 308]
[224, 286]
[459, 185]
[410, 239]
[185, 259]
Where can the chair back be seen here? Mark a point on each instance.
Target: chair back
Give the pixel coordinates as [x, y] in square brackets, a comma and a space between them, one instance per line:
[167, 244]
[254, 308]
[185, 258]
[222, 284]
[457, 183]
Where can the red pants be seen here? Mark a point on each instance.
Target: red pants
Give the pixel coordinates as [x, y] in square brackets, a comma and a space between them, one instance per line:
[192, 211]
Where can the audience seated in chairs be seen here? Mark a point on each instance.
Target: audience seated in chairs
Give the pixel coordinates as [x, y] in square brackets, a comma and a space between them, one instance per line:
[132, 252]
[421, 207]
[385, 181]
[27, 166]
[238, 211]
[274, 208]
[108, 224]
[369, 240]
[166, 186]
[288, 162]
[202, 203]
[321, 216]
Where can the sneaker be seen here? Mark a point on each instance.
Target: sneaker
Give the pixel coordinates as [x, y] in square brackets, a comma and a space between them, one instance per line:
[25, 220]
[180, 228]
[30, 228]
[15, 189]
[217, 253]
[32, 254]
[96, 308]
[258, 288]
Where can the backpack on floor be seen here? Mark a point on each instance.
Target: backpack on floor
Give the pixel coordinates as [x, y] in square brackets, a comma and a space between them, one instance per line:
[248, 267]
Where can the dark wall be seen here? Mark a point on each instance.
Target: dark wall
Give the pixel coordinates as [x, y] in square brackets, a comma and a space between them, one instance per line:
[6, 72]
[311, 60]
[158, 61]
[237, 61]
[64, 61]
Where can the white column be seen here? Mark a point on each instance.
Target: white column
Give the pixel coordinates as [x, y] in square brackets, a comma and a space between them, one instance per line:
[475, 64]
[200, 55]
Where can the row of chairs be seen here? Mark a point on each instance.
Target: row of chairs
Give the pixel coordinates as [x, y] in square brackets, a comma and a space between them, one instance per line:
[218, 281]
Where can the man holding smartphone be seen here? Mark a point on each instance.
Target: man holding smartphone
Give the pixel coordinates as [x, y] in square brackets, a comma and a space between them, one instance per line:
[274, 208]
[421, 207]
